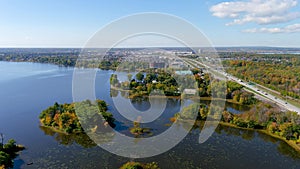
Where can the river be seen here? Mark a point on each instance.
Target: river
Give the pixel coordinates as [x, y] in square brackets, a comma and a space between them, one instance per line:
[28, 88]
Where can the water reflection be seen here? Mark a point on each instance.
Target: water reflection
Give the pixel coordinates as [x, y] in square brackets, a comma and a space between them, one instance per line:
[69, 139]
[114, 93]
[230, 107]
[252, 135]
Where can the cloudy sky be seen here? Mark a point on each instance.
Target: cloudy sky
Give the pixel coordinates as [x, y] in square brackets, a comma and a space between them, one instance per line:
[70, 23]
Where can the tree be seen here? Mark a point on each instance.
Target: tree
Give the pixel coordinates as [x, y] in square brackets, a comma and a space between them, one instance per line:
[139, 76]
[10, 145]
[8, 152]
[150, 77]
[114, 80]
[65, 119]
[5, 160]
[129, 76]
[190, 112]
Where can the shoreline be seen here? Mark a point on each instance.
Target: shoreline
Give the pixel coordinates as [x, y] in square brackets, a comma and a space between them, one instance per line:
[59, 131]
[292, 144]
[179, 97]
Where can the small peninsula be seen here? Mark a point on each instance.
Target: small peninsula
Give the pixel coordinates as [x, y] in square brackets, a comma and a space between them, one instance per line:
[264, 117]
[8, 152]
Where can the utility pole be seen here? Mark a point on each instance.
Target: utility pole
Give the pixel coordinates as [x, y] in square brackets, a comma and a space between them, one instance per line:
[2, 139]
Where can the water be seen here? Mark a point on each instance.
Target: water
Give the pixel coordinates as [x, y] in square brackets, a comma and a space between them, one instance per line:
[28, 88]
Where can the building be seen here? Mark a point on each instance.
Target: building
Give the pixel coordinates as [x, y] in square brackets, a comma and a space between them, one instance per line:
[190, 91]
[157, 65]
[183, 72]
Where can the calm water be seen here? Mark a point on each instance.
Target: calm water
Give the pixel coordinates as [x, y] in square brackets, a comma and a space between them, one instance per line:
[28, 88]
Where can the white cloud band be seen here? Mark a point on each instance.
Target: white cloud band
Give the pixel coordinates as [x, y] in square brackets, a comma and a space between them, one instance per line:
[257, 11]
[287, 29]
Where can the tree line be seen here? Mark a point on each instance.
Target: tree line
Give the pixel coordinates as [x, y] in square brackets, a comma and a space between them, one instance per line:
[166, 82]
[281, 74]
[263, 116]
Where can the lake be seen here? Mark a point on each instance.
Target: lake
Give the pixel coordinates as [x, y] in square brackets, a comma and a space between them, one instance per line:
[28, 88]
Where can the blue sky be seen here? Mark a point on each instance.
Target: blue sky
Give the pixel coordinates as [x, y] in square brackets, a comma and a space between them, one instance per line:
[70, 23]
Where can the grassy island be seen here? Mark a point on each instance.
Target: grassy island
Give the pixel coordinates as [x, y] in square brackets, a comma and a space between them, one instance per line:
[137, 130]
[63, 118]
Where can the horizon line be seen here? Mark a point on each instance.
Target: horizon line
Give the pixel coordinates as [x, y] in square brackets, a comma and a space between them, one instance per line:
[65, 47]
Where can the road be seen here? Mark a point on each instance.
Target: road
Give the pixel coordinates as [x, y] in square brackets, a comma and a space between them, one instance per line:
[252, 88]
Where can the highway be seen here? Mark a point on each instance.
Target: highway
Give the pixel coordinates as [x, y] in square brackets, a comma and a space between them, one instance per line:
[253, 88]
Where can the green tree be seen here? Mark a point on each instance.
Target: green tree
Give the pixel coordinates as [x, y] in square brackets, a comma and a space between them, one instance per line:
[5, 160]
[129, 76]
[150, 77]
[139, 76]
[114, 80]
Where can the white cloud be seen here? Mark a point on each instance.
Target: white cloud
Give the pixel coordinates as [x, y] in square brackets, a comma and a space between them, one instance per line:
[257, 11]
[287, 29]
[265, 20]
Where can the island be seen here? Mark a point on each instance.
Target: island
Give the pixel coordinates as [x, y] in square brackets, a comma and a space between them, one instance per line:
[8, 152]
[137, 130]
[64, 117]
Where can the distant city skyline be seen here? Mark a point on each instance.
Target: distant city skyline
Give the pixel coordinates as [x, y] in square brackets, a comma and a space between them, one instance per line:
[225, 23]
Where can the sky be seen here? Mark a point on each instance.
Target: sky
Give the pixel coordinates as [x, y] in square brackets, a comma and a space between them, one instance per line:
[71, 23]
